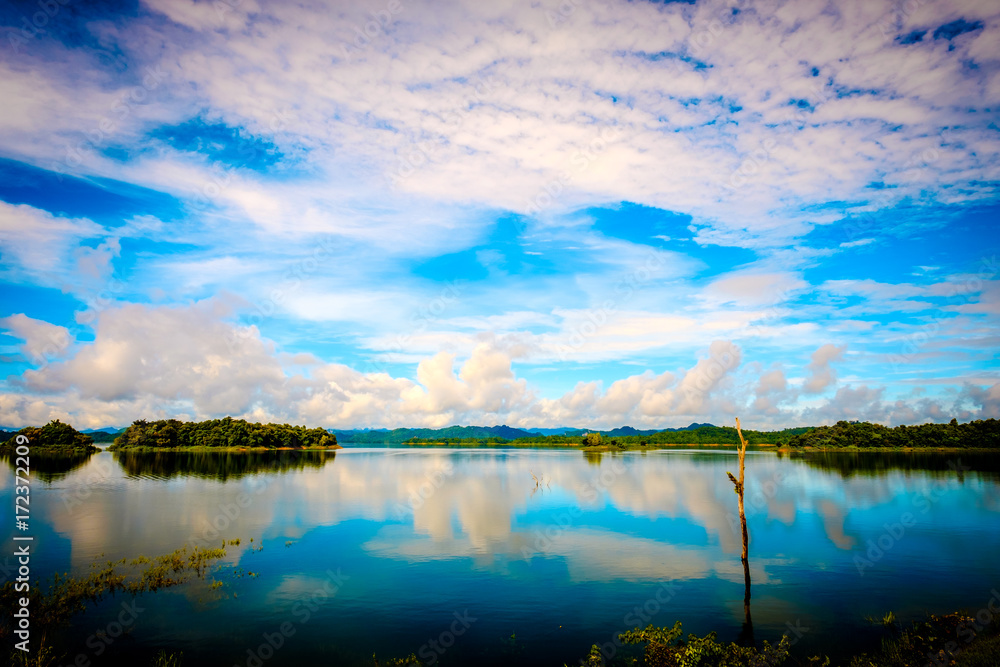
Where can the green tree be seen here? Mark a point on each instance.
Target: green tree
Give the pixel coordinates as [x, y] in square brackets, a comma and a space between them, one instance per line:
[54, 436]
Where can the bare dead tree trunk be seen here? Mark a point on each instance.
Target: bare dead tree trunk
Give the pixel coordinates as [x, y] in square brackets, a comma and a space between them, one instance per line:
[739, 488]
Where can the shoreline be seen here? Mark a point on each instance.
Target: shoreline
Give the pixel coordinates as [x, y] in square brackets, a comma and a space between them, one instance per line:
[780, 449]
[783, 449]
[204, 448]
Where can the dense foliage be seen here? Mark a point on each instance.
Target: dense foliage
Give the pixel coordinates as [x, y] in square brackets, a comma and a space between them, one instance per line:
[450, 433]
[466, 435]
[982, 433]
[55, 436]
[228, 432]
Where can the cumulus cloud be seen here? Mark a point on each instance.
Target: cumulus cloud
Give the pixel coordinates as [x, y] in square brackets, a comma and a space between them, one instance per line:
[195, 361]
[173, 353]
[771, 389]
[821, 373]
[987, 399]
[861, 403]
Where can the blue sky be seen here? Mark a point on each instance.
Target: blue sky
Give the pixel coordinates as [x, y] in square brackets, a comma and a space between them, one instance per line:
[539, 214]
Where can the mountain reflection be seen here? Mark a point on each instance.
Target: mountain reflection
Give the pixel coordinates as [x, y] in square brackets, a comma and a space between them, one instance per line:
[218, 465]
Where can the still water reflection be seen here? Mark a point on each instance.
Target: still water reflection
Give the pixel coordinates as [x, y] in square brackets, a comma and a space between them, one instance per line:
[561, 549]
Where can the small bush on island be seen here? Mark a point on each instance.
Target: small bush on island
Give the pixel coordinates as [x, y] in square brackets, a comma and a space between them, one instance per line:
[228, 432]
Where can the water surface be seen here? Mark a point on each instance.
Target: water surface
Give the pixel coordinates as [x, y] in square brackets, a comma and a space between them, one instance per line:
[390, 549]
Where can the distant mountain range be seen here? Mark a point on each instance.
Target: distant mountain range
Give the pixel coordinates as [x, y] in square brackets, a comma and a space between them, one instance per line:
[398, 435]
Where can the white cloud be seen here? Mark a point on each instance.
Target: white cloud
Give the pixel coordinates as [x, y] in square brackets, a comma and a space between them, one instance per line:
[855, 244]
[821, 373]
[547, 97]
[192, 362]
[754, 289]
[43, 246]
[760, 125]
[42, 341]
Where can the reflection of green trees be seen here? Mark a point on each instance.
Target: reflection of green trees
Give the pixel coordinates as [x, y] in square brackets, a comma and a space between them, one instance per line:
[218, 465]
[718, 435]
[880, 463]
[228, 432]
[49, 466]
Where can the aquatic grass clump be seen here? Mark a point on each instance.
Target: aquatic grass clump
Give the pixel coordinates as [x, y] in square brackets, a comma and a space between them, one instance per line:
[949, 639]
[665, 647]
[68, 596]
[164, 659]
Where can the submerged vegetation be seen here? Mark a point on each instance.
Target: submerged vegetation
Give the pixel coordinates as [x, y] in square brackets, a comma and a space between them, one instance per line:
[66, 597]
[663, 647]
[228, 432]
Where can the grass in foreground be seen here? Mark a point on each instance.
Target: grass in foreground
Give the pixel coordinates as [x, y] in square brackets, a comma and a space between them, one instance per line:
[68, 596]
[952, 639]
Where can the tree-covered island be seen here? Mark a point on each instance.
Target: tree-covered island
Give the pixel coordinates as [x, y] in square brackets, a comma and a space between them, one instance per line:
[53, 438]
[221, 433]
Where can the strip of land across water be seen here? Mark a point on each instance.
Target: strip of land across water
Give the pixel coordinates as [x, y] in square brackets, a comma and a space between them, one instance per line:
[982, 434]
[239, 435]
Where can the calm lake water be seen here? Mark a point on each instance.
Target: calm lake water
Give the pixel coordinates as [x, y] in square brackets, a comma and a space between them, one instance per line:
[459, 555]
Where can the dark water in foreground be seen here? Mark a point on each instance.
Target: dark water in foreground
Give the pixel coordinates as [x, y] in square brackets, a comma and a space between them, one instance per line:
[450, 553]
